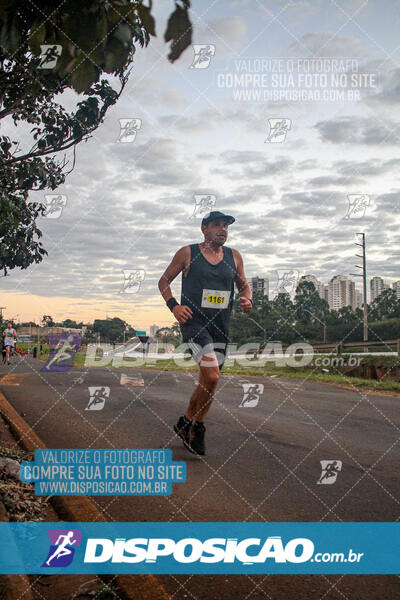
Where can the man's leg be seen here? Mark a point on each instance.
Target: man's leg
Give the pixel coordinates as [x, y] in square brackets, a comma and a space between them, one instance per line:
[201, 399]
[190, 427]
[200, 402]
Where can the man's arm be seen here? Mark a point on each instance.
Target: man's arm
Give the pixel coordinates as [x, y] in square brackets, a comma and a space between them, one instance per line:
[242, 285]
[177, 265]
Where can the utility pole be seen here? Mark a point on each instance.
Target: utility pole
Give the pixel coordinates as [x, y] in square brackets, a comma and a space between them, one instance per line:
[364, 276]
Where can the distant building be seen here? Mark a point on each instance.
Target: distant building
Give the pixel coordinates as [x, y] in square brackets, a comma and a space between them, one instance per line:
[153, 330]
[341, 292]
[260, 285]
[377, 285]
[396, 287]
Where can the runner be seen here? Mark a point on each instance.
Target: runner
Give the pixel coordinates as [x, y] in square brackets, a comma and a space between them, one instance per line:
[9, 335]
[209, 271]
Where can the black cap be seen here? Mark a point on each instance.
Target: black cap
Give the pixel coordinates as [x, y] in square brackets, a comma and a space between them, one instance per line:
[216, 214]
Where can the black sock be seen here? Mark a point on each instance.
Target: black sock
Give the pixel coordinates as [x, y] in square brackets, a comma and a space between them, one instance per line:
[187, 421]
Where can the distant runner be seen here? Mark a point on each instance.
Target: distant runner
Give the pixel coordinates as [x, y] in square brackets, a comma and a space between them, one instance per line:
[209, 272]
[9, 336]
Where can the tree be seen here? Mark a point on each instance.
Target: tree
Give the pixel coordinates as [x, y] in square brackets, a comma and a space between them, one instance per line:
[47, 321]
[311, 311]
[280, 323]
[310, 307]
[44, 51]
[69, 323]
[112, 330]
[385, 306]
[345, 324]
[169, 335]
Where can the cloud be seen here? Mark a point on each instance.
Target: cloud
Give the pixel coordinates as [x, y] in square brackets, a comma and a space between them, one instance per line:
[370, 168]
[329, 44]
[328, 180]
[227, 33]
[359, 130]
[159, 161]
[389, 89]
[203, 122]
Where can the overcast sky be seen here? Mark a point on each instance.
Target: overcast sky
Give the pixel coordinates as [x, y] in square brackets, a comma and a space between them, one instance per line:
[130, 205]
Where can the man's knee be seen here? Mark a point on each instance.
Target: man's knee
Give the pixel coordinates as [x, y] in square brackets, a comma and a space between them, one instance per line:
[210, 375]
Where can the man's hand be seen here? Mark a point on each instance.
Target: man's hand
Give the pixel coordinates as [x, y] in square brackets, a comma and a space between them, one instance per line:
[182, 313]
[245, 304]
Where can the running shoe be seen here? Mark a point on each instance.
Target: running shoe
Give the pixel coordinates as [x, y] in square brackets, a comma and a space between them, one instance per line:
[196, 442]
[182, 428]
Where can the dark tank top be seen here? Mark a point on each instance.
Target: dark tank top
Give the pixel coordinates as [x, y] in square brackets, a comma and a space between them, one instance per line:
[200, 291]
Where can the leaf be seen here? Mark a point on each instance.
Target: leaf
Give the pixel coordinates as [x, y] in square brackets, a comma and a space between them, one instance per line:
[10, 34]
[114, 56]
[123, 33]
[37, 36]
[83, 77]
[147, 19]
[179, 30]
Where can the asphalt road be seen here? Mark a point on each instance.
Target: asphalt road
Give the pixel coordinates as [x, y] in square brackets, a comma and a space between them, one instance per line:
[262, 462]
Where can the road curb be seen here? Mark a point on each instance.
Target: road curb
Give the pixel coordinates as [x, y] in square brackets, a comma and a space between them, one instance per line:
[15, 586]
[79, 508]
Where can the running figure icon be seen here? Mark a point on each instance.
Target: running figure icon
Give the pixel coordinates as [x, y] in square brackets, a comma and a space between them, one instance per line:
[62, 549]
[62, 350]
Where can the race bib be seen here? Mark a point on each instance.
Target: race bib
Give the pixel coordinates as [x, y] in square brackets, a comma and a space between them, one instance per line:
[215, 299]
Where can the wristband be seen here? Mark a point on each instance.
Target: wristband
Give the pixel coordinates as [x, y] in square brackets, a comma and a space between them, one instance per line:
[171, 303]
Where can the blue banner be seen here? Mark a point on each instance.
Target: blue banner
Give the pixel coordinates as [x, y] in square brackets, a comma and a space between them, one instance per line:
[200, 548]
